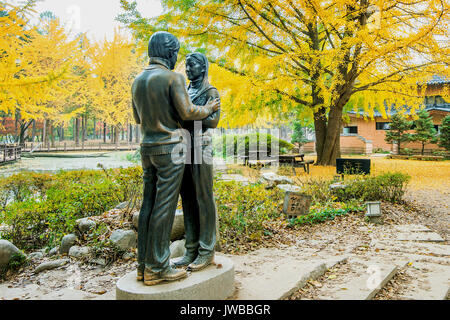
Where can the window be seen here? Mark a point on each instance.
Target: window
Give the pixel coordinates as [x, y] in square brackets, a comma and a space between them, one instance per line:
[383, 125]
[351, 130]
[438, 129]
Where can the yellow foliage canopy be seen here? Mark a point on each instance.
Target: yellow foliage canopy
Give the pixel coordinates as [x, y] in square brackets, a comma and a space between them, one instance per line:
[280, 54]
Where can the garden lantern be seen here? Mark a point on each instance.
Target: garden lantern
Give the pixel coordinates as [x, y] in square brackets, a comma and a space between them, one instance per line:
[373, 211]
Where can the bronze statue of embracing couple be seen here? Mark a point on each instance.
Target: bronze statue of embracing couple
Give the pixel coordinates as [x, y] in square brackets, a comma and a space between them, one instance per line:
[166, 109]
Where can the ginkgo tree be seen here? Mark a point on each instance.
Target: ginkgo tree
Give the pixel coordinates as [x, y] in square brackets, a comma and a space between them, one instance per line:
[114, 65]
[271, 57]
[35, 66]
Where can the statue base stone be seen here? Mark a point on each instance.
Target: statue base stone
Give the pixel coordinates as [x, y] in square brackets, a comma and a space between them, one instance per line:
[216, 282]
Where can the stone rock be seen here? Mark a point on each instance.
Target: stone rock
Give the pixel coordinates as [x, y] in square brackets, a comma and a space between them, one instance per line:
[79, 252]
[7, 251]
[128, 256]
[215, 282]
[54, 251]
[136, 220]
[122, 205]
[177, 229]
[177, 249]
[67, 242]
[85, 225]
[273, 179]
[51, 265]
[99, 261]
[36, 256]
[124, 239]
[289, 188]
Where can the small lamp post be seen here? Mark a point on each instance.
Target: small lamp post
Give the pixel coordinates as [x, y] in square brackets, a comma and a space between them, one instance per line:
[373, 211]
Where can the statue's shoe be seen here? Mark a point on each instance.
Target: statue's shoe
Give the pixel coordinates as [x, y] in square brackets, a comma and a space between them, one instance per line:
[140, 275]
[182, 262]
[152, 278]
[172, 274]
[201, 262]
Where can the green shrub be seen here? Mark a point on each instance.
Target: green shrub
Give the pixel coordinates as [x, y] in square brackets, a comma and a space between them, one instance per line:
[45, 207]
[388, 187]
[245, 210]
[241, 144]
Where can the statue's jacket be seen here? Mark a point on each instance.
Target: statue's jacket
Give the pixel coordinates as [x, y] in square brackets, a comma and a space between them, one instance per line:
[160, 104]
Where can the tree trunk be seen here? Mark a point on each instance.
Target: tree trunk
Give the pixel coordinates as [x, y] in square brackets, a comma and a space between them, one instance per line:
[104, 132]
[77, 132]
[51, 133]
[111, 134]
[130, 133]
[138, 134]
[33, 131]
[423, 149]
[45, 133]
[328, 136]
[116, 134]
[95, 129]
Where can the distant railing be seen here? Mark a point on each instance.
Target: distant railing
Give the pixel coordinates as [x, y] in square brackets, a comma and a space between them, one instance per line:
[64, 146]
[9, 153]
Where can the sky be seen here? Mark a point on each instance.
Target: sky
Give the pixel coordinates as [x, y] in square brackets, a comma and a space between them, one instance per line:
[96, 17]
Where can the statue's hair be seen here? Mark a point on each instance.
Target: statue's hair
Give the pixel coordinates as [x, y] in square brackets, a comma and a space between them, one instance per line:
[163, 44]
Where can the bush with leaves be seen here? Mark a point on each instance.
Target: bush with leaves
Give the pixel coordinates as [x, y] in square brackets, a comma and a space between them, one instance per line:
[234, 145]
[389, 187]
[45, 207]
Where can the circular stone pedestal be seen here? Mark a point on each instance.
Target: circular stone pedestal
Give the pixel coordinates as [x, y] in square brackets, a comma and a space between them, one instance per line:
[216, 282]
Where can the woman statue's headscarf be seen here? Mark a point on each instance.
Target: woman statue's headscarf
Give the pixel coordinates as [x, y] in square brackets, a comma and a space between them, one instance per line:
[205, 86]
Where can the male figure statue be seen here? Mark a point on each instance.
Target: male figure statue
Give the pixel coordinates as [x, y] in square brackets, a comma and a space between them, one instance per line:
[160, 104]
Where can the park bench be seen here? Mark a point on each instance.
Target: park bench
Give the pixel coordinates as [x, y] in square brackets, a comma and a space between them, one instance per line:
[296, 161]
[255, 158]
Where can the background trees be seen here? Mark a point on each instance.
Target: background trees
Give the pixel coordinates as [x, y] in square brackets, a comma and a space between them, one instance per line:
[398, 131]
[424, 131]
[115, 64]
[52, 76]
[277, 56]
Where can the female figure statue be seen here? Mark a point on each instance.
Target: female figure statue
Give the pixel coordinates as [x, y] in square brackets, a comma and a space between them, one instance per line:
[197, 186]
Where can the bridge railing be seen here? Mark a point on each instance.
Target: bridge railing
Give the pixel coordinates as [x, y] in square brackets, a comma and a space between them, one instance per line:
[10, 153]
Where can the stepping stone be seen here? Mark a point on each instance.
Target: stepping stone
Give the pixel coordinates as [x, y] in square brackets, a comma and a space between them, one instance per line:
[427, 248]
[430, 282]
[278, 279]
[420, 236]
[364, 280]
[412, 228]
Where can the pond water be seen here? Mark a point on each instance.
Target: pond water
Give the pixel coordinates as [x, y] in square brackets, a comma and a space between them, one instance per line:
[53, 164]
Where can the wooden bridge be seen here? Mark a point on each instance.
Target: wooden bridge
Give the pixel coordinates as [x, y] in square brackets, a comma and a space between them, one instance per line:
[9, 153]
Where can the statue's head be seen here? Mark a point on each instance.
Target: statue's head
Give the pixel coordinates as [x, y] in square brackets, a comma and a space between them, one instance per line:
[164, 45]
[196, 66]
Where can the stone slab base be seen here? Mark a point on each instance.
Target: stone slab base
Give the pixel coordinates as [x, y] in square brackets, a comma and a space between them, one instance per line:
[213, 283]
